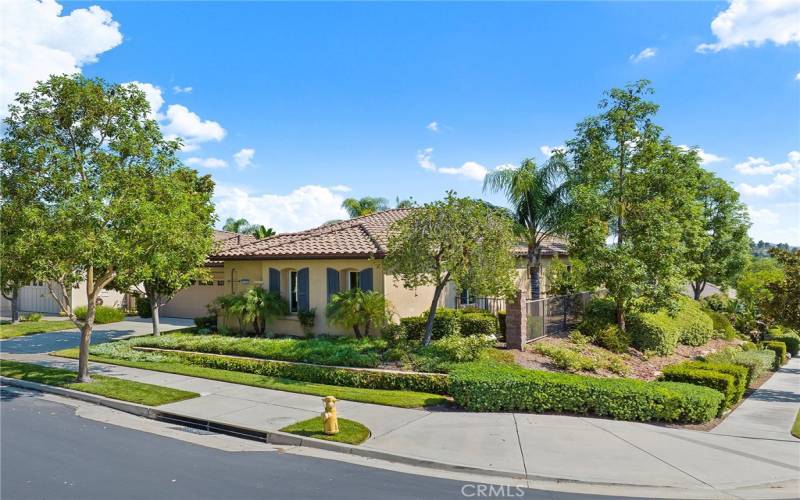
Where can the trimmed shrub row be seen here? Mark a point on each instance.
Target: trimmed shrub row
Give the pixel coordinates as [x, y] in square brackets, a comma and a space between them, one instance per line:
[496, 387]
[367, 379]
[449, 322]
[788, 337]
[729, 379]
[757, 361]
[779, 348]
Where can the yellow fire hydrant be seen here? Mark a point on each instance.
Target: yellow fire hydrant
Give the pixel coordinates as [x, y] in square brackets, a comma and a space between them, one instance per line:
[329, 420]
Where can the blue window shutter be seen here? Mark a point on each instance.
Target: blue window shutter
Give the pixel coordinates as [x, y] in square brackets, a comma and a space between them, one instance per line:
[302, 289]
[274, 280]
[366, 279]
[333, 282]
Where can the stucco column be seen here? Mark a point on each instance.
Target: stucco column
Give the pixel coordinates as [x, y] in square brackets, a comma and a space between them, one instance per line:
[516, 323]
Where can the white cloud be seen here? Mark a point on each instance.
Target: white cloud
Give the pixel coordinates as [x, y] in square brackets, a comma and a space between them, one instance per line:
[646, 53]
[705, 157]
[182, 90]
[180, 122]
[340, 188]
[550, 151]
[206, 162]
[761, 166]
[779, 183]
[36, 41]
[763, 216]
[424, 159]
[797, 76]
[470, 170]
[153, 96]
[754, 23]
[433, 126]
[244, 157]
[304, 208]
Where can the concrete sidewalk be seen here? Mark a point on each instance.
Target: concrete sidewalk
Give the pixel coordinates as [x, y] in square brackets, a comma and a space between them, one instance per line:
[747, 462]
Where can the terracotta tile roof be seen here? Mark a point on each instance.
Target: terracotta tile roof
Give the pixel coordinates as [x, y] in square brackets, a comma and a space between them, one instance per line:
[226, 240]
[365, 236]
[551, 245]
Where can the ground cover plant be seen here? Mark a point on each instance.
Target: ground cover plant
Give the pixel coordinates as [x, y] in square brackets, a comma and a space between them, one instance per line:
[110, 387]
[102, 314]
[8, 330]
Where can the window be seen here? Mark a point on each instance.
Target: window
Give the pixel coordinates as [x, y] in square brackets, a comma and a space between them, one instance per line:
[467, 298]
[220, 282]
[353, 280]
[293, 302]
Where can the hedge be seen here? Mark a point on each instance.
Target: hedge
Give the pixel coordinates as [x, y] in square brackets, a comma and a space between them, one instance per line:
[367, 379]
[661, 332]
[722, 382]
[484, 386]
[475, 323]
[790, 338]
[451, 322]
[738, 372]
[756, 361]
[779, 348]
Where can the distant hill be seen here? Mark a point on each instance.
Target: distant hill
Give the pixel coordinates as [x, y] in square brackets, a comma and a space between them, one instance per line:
[761, 249]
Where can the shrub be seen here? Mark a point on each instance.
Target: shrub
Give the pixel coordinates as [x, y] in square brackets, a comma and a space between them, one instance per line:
[661, 331]
[446, 322]
[566, 359]
[143, 308]
[579, 339]
[717, 302]
[367, 379]
[756, 361]
[748, 346]
[478, 323]
[307, 319]
[460, 349]
[208, 322]
[393, 333]
[788, 337]
[32, 317]
[600, 312]
[501, 324]
[485, 386]
[738, 372]
[613, 339]
[779, 348]
[722, 325]
[102, 314]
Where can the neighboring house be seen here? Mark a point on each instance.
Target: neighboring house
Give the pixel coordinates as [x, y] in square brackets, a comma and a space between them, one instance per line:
[307, 267]
[191, 302]
[36, 297]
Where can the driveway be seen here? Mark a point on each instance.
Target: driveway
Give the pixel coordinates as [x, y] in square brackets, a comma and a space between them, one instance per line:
[54, 341]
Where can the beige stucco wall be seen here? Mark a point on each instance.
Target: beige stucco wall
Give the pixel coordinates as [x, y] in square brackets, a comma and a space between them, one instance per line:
[191, 302]
[410, 301]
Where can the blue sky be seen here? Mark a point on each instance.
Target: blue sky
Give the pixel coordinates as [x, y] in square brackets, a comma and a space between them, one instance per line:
[335, 100]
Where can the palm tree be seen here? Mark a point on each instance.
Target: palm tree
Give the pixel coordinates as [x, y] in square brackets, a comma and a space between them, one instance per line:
[241, 226]
[365, 206]
[405, 203]
[260, 232]
[539, 205]
[356, 308]
[235, 225]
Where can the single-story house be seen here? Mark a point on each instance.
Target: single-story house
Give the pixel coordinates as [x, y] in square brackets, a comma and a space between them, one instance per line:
[36, 297]
[307, 267]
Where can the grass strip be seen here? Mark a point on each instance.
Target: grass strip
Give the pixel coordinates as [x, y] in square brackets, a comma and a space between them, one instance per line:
[110, 387]
[796, 426]
[400, 399]
[350, 432]
[8, 331]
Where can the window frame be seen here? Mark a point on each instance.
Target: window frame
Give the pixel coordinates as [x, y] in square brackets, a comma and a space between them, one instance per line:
[294, 288]
[350, 275]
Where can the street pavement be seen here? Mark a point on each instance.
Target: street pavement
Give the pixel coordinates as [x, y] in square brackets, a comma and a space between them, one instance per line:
[49, 452]
[54, 341]
[559, 447]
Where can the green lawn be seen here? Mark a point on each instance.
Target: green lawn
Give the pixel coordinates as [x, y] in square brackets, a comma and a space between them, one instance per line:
[115, 388]
[796, 426]
[8, 330]
[350, 432]
[402, 399]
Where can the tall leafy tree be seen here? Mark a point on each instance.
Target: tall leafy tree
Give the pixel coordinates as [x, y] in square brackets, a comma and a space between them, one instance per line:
[177, 228]
[783, 304]
[458, 240]
[78, 153]
[539, 206]
[364, 206]
[14, 269]
[635, 202]
[726, 222]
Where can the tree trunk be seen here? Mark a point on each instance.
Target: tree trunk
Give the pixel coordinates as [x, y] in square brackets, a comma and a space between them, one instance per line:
[432, 314]
[357, 331]
[621, 315]
[154, 314]
[86, 339]
[534, 261]
[697, 288]
[366, 328]
[15, 305]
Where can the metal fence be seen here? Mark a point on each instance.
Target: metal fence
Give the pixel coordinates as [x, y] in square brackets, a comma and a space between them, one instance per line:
[491, 304]
[554, 315]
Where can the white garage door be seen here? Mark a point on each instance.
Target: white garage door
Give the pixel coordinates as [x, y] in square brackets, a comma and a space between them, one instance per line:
[36, 298]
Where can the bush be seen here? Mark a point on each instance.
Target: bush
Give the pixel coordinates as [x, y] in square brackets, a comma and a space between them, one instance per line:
[779, 348]
[478, 323]
[613, 339]
[393, 333]
[208, 322]
[717, 302]
[494, 387]
[446, 322]
[143, 308]
[756, 361]
[722, 325]
[460, 349]
[600, 312]
[566, 359]
[367, 379]
[307, 319]
[748, 346]
[32, 317]
[501, 324]
[661, 332]
[788, 337]
[725, 383]
[738, 372]
[102, 314]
